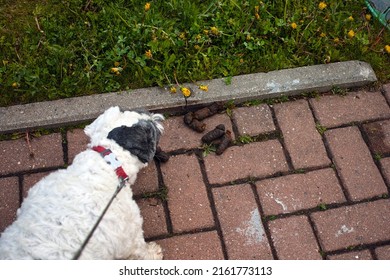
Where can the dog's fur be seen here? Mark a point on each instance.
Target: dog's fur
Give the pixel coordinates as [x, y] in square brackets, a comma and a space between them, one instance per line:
[62, 208]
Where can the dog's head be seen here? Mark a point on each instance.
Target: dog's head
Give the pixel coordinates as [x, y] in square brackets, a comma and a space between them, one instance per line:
[135, 131]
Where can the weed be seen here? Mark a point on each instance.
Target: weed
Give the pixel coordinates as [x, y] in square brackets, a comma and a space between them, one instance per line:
[322, 206]
[254, 102]
[228, 80]
[208, 149]
[320, 128]
[245, 139]
[162, 194]
[229, 106]
[270, 218]
[378, 156]
[350, 248]
[300, 171]
[281, 99]
[313, 94]
[339, 91]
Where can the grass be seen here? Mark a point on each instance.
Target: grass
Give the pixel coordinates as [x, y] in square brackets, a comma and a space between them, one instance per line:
[57, 49]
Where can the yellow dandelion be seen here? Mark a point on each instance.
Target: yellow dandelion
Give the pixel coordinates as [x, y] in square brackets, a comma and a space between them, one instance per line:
[327, 59]
[294, 25]
[368, 17]
[387, 48]
[172, 89]
[257, 9]
[185, 91]
[116, 63]
[15, 85]
[336, 40]
[182, 35]
[116, 70]
[351, 33]
[322, 35]
[257, 16]
[350, 18]
[148, 54]
[214, 30]
[203, 87]
[206, 32]
[322, 5]
[147, 6]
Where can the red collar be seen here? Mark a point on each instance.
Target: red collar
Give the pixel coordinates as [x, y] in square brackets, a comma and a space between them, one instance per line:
[111, 159]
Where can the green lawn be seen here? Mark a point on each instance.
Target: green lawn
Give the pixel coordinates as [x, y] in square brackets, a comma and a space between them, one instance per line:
[52, 49]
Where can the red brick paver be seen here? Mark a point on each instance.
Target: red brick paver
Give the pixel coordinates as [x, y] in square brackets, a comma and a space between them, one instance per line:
[254, 120]
[46, 151]
[353, 225]
[294, 239]
[385, 166]
[332, 111]
[299, 191]
[383, 252]
[198, 246]
[292, 193]
[187, 197]
[241, 223]
[77, 142]
[354, 163]
[379, 136]
[253, 160]
[386, 90]
[9, 201]
[300, 135]
[359, 255]
[153, 214]
[29, 180]
[147, 180]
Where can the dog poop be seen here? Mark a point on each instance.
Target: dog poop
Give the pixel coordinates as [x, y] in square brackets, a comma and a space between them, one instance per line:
[193, 119]
[193, 123]
[160, 155]
[226, 140]
[214, 134]
[208, 111]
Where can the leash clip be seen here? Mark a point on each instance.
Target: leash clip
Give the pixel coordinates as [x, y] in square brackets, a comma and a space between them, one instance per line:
[122, 182]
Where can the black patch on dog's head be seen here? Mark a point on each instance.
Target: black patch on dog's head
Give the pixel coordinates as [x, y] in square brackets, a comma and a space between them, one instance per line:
[140, 139]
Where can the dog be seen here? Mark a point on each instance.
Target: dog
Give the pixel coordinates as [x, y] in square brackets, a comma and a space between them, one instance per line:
[61, 209]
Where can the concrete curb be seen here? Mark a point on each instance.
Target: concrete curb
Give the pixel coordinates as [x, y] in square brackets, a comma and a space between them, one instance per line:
[318, 78]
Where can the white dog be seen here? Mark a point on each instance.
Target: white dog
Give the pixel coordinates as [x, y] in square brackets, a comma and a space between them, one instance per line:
[60, 210]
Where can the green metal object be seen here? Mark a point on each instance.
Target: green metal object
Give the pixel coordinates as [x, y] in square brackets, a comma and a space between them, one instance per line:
[380, 9]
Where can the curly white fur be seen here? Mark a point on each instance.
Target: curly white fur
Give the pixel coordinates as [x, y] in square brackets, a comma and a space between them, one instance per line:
[62, 208]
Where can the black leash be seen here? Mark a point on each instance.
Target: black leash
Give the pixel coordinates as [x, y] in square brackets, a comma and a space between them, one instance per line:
[121, 185]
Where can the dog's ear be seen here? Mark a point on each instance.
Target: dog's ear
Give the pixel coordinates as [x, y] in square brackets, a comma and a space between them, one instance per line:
[140, 139]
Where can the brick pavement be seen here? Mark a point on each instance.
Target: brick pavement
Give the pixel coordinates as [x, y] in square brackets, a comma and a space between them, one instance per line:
[311, 181]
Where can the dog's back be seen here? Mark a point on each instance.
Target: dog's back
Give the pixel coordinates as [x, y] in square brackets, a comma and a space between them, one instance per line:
[62, 208]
